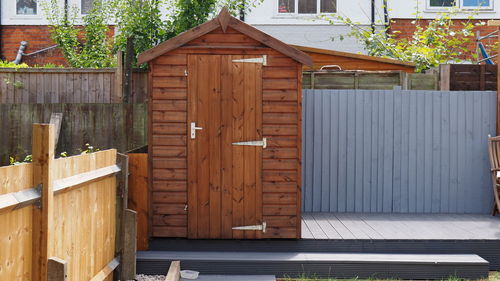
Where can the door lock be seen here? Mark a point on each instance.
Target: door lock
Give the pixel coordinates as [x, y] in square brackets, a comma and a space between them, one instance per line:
[193, 130]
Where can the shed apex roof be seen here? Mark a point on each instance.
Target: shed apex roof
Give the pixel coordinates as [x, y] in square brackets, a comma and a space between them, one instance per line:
[224, 20]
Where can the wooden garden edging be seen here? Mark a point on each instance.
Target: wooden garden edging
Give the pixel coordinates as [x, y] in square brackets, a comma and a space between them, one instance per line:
[61, 217]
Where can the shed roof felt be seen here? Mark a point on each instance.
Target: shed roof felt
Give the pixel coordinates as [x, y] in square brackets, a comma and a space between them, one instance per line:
[224, 20]
[352, 55]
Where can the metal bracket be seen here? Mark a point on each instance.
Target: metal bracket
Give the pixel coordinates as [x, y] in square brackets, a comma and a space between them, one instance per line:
[262, 60]
[261, 227]
[38, 203]
[262, 143]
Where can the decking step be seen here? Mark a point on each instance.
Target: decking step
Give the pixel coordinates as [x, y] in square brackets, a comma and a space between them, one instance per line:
[234, 278]
[321, 265]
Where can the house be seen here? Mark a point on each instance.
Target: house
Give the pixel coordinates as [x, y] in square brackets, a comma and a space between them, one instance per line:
[296, 22]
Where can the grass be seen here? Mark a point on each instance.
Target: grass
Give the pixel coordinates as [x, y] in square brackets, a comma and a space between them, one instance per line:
[494, 276]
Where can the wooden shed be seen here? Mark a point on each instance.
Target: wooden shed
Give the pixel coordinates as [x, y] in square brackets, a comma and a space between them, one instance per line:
[351, 61]
[225, 133]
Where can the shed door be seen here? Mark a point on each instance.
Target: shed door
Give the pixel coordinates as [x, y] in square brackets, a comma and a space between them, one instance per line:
[224, 178]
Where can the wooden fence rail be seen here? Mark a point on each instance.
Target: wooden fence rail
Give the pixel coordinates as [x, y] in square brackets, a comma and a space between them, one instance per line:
[68, 85]
[67, 222]
[120, 126]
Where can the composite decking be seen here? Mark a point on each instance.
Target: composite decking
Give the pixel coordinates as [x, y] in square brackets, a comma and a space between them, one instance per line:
[371, 234]
[347, 226]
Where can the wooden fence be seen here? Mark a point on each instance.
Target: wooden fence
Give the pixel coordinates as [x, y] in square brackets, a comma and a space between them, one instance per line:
[372, 80]
[397, 151]
[59, 216]
[68, 85]
[120, 126]
[467, 77]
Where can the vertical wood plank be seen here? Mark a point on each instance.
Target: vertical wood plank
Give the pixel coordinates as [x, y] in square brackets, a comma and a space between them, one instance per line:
[238, 151]
[317, 150]
[213, 124]
[227, 148]
[325, 149]
[43, 159]
[192, 149]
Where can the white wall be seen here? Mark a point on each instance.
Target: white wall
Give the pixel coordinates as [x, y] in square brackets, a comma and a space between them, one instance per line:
[407, 8]
[357, 10]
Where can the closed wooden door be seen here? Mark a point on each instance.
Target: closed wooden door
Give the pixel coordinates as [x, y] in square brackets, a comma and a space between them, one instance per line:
[224, 178]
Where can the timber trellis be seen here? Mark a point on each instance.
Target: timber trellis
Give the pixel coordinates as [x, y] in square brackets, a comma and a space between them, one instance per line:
[64, 219]
[369, 80]
[397, 151]
[68, 85]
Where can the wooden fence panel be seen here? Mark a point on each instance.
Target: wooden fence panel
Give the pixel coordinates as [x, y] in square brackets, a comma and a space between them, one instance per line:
[16, 226]
[121, 126]
[138, 199]
[84, 218]
[397, 151]
[468, 77]
[82, 221]
[376, 80]
[67, 85]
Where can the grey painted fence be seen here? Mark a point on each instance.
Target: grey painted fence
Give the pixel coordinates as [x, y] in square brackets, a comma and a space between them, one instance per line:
[397, 151]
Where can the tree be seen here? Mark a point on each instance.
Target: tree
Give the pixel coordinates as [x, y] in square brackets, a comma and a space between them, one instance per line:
[437, 41]
[148, 26]
[89, 46]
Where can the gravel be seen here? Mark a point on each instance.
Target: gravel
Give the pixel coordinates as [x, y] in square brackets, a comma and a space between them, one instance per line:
[142, 277]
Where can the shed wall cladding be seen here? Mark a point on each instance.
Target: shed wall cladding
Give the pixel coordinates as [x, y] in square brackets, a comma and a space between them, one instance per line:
[281, 119]
[397, 151]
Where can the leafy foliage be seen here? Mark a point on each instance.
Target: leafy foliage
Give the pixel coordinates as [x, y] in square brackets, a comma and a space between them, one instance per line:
[148, 26]
[141, 20]
[437, 41]
[8, 64]
[87, 47]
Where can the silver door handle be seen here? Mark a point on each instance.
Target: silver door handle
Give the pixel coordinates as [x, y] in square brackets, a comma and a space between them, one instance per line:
[193, 130]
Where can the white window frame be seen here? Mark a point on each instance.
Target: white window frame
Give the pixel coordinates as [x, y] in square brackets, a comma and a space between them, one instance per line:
[459, 6]
[296, 13]
[37, 15]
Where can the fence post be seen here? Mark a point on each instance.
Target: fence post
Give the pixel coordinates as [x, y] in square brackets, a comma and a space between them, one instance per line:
[128, 270]
[43, 159]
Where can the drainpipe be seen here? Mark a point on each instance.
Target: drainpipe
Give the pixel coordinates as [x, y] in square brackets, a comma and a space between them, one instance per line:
[242, 10]
[373, 16]
[386, 15]
[20, 52]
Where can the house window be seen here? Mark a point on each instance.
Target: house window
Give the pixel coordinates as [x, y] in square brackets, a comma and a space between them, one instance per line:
[86, 6]
[463, 4]
[441, 3]
[468, 4]
[307, 6]
[26, 7]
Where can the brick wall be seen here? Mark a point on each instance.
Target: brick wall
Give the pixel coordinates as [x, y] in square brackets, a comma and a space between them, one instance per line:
[38, 37]
[406, 29]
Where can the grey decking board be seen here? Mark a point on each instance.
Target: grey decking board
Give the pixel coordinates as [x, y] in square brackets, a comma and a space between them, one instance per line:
[405, 226]
[315, 229]
[328, 229]
[202, 277]
[341, 229]
[306, 233]
[313, 257]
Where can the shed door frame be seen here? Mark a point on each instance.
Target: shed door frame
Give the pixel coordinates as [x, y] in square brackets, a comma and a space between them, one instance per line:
[224, 180]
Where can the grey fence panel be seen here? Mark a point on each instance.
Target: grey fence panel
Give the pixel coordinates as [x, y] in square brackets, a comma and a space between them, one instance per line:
[397, 151]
